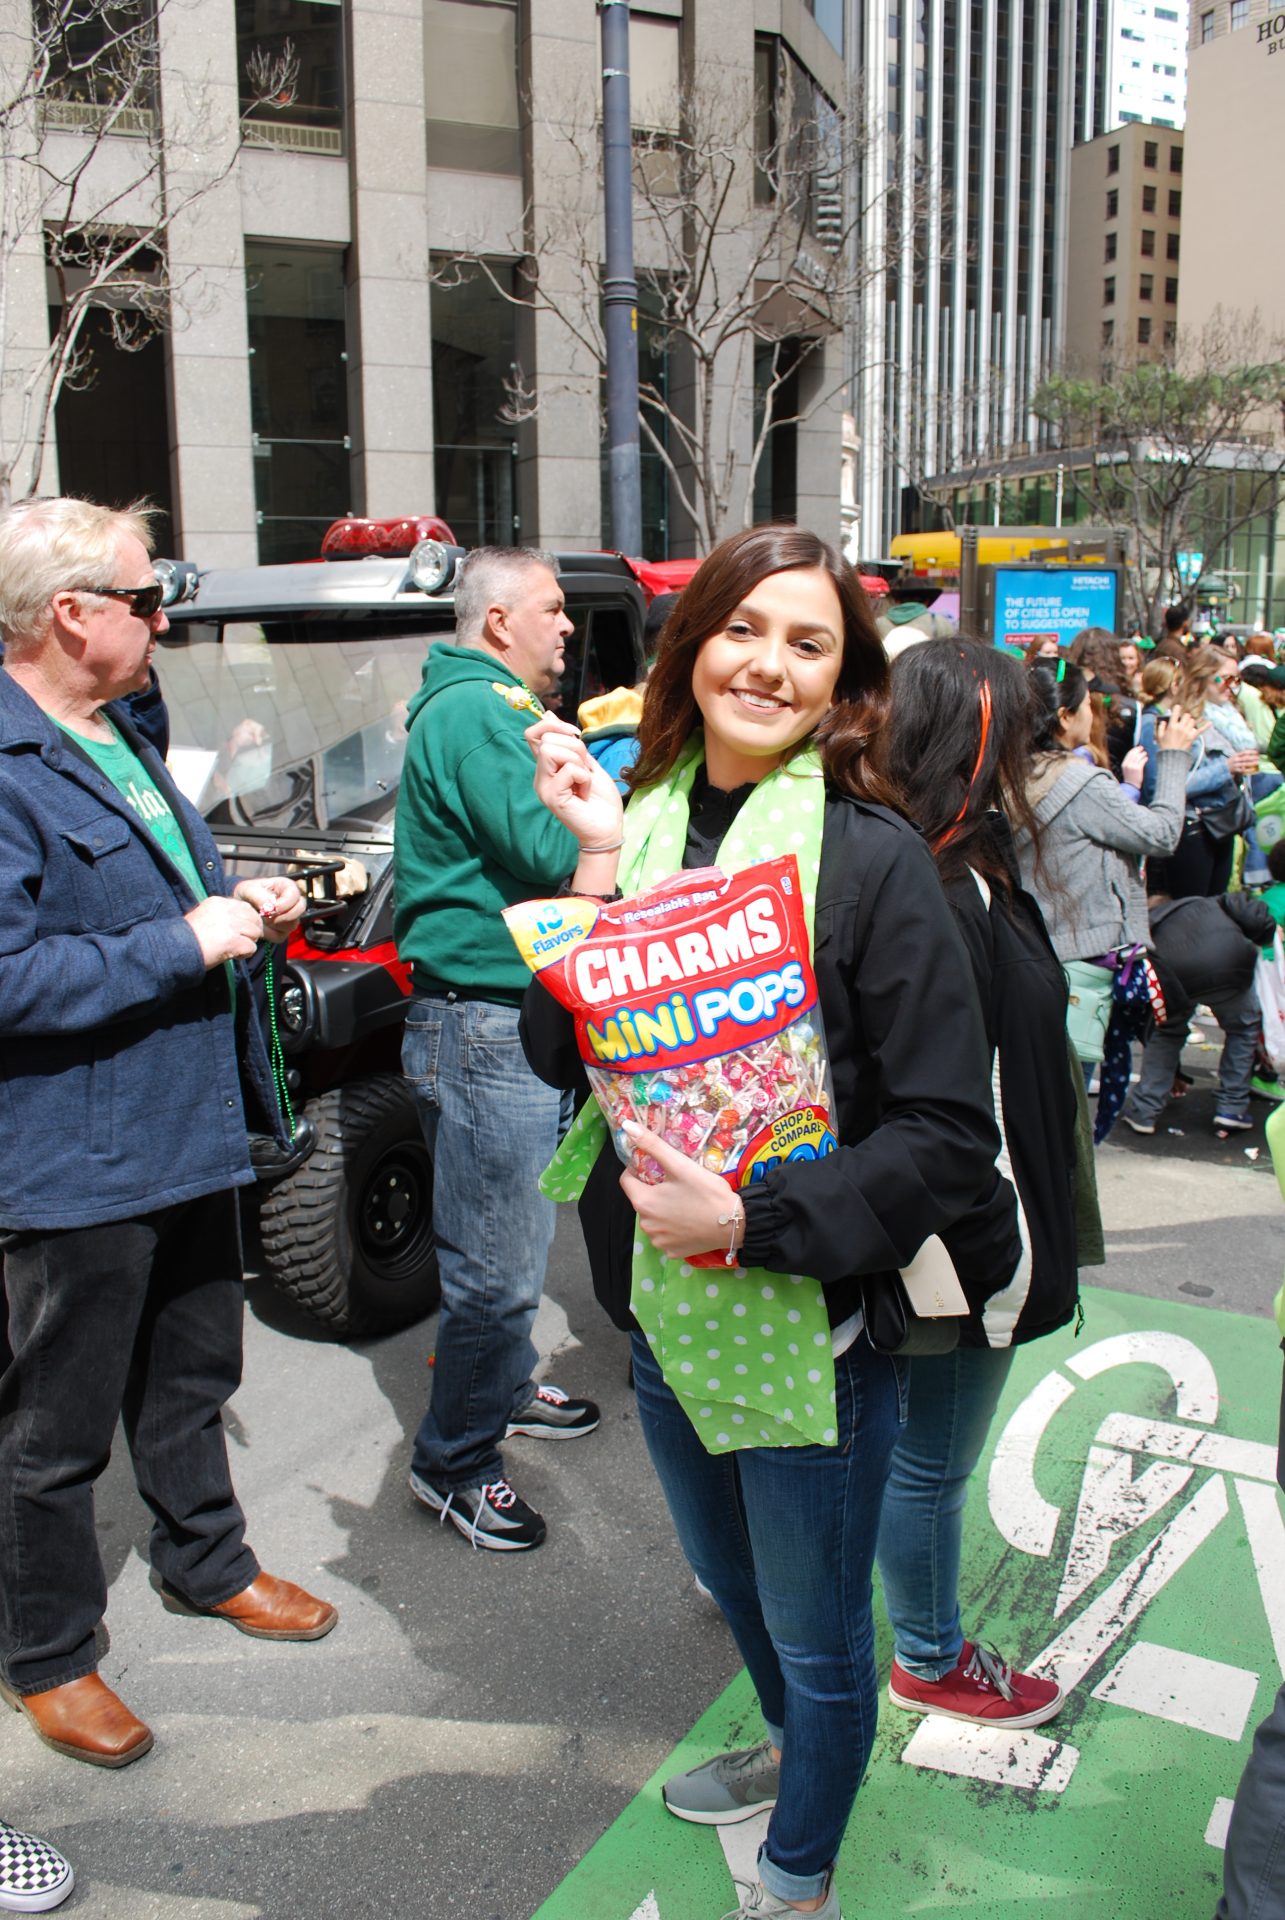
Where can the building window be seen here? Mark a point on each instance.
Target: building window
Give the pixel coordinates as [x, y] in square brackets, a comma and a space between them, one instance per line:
[1144, 331]
[1148, 243]
[1108, 333]
[1171, 333]
[1171, 292]
[1166, 13]
[765, 116]
[272, 36]
[1110, 247]
[1150, 153]
[1113, 203]
[1206, 27]
[1239, 16]
[1171, 246]
[1145, 284]
[776, 487]
[298, 394]
[1175, 204]
[828, 15]
[799, 144]
[100, 59]
[653, 74]
[474, 457]
[471, 85]
[1113, 159]
[1108, 291]
[1175, 159]
[1148, 199]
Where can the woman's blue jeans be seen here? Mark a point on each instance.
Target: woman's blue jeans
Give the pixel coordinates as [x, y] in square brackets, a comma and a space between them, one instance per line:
[784, 1539]
[953, 1397]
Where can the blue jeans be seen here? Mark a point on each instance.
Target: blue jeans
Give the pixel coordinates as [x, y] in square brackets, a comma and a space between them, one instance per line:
[138, 1320]
[953, 1397]
[491, 1128]
[784, 1539]
[1255, 870]
[1240, 1017]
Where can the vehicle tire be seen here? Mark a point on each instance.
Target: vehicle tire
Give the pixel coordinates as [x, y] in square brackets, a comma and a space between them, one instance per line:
[349, 1236]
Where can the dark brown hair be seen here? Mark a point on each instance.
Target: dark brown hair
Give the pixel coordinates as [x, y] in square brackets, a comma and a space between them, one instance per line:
[958, 746]
[716, 589]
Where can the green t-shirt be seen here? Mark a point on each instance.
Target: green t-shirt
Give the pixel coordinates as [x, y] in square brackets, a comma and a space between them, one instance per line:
[135, 784]
[1273, 899]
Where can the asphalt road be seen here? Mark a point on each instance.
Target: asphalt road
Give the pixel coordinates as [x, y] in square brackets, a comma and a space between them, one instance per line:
[476, 1720]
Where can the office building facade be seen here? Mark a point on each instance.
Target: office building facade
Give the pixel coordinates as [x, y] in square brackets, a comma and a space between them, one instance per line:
[324, 355]
[1124, 246]
[979, 105]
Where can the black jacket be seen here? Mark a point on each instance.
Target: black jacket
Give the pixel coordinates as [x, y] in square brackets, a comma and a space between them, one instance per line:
[911, 1081]
[1022, 990]
[1207, 947]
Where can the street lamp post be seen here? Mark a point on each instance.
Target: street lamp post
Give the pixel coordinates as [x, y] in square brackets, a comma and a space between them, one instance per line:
[619, 287]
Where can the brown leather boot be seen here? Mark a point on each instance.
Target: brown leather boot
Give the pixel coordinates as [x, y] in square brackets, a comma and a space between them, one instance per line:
[268, 1609]
[85, 1720]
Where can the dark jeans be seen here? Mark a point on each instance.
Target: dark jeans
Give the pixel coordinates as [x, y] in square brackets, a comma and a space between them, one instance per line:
[784, 1538]
[139, 1319]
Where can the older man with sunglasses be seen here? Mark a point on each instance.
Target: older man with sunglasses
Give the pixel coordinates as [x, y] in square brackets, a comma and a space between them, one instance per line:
[133, 1062]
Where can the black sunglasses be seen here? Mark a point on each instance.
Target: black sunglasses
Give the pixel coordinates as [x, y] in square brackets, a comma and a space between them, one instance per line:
[144, 602]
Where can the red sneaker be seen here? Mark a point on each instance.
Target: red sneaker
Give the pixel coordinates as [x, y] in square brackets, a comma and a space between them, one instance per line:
[982, 1687]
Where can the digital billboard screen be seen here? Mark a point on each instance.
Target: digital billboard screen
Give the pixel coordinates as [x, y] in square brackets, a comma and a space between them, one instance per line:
[1039, 603]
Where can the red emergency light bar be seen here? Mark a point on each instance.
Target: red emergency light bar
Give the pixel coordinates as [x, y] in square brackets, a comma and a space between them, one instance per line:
[347, 539]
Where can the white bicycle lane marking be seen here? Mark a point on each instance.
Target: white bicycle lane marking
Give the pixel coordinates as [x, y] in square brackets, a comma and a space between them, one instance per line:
[1117, 1499]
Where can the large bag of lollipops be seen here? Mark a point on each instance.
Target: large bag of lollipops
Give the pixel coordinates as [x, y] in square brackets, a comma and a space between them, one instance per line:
[695, 1009]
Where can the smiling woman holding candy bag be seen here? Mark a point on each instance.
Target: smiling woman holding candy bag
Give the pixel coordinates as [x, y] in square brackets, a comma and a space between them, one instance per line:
[769, 686]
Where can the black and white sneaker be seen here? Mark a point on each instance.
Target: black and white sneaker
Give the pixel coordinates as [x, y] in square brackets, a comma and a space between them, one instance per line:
[34, 1877]
[490, 1515]
[552, 1414]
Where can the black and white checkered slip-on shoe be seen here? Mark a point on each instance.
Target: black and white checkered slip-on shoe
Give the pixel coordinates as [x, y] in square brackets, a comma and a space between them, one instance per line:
[551, 1414]
[490, 1516]
[34, 1877]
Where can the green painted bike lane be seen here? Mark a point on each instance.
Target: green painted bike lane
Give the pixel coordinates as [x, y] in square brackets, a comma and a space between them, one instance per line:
[1124, 1532]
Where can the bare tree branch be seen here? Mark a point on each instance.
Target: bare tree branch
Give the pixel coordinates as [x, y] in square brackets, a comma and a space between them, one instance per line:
[82, 149]
[740, 249]
[1184, 450]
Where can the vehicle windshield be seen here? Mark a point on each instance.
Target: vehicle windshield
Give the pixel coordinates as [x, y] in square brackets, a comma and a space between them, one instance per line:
[294, 725]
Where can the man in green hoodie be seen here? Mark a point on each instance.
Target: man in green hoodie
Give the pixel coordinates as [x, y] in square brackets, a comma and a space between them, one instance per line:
[471, 839]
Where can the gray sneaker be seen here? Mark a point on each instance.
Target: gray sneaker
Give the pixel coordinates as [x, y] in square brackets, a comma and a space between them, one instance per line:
[488, 1516]
[758, 1904]
[731, 1787]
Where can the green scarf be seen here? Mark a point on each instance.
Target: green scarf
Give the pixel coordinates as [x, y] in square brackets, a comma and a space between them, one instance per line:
[746, 1352]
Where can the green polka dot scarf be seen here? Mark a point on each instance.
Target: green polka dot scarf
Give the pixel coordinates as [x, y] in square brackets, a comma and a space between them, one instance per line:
[746, 1352]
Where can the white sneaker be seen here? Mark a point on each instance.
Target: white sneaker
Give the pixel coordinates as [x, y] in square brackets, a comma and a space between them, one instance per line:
[34, 1877]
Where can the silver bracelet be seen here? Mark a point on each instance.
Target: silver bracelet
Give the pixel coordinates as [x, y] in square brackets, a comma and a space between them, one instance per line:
[613, 846]
[732, 1220]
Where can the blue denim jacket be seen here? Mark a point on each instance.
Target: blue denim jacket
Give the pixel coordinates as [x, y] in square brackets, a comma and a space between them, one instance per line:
[121, 1058]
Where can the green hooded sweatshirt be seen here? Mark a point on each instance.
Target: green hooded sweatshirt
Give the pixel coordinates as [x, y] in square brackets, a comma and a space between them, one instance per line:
[471, 837]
